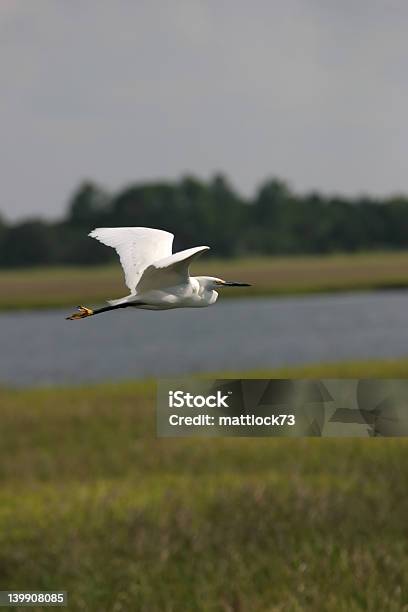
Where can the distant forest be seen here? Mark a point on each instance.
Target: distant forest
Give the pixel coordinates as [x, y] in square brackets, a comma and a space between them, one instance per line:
[275, 221]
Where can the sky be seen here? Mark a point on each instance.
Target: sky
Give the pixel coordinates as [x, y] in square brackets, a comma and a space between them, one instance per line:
[311, 91]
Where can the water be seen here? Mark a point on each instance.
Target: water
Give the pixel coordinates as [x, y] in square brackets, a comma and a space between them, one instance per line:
[40, 348]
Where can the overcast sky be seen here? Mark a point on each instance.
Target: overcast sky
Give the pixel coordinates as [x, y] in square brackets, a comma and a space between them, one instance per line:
[313, 91]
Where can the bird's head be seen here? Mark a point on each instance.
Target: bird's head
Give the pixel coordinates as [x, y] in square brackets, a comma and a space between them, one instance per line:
[211, 283]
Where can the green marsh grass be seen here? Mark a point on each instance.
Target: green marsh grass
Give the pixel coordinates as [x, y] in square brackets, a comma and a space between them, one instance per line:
[58, 287]
[93, 503]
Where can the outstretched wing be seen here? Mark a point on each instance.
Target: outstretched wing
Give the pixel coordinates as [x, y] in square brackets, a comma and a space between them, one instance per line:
[137, 247]
[169, 271]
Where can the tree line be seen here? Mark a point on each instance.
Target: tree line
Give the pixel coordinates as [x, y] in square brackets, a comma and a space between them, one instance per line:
[275, 221]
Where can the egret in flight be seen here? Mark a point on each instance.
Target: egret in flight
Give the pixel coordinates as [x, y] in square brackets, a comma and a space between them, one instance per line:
[157, 278]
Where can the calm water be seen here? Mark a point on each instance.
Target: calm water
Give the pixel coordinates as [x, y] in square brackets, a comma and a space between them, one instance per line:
[42, 348]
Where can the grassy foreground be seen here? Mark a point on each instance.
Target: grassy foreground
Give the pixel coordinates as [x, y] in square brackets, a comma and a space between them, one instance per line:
[53, 287]
[91, 502]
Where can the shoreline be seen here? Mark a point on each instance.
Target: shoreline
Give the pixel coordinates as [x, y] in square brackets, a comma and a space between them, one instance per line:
[35, 305]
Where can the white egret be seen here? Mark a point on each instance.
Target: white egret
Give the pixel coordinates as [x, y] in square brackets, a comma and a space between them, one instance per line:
[157, 278]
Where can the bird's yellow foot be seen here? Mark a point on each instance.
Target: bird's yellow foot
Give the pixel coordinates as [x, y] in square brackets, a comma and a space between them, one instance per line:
[81, 314]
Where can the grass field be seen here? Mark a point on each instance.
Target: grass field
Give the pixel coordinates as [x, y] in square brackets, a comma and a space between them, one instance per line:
[91, 502]
[52, 287]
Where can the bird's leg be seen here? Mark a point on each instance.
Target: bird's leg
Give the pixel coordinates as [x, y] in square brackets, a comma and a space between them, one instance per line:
[88, 312]
[81, 314]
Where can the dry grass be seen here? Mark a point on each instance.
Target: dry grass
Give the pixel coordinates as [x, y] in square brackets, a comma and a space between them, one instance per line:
[92, 502]
[51, 287]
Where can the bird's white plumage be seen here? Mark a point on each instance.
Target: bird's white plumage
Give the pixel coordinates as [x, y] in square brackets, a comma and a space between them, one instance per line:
[137, 247]
[157, 279]
[170, 271]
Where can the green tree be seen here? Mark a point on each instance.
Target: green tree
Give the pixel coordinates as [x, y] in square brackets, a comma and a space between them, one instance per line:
[30, 243]
[88, 204]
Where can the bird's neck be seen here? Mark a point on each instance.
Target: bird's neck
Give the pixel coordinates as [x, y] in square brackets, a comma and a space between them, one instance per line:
[206, 295]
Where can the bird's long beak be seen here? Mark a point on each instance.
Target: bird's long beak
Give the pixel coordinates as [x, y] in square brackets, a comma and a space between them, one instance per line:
[234, 284]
